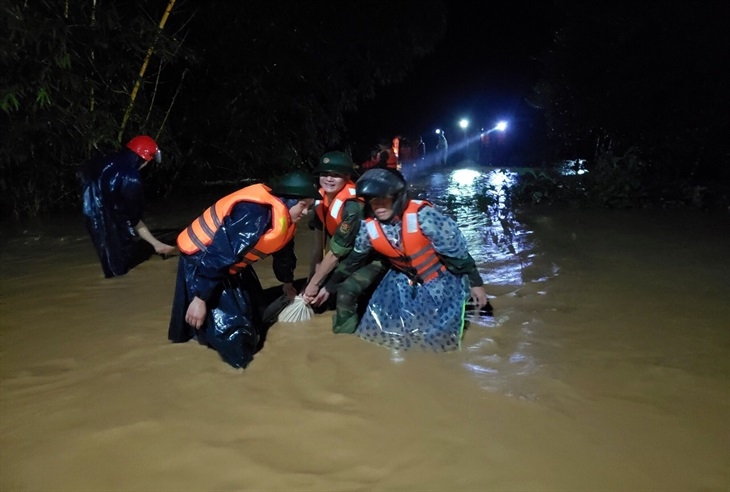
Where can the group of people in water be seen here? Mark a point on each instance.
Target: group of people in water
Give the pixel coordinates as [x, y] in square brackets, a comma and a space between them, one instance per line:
[395, 270]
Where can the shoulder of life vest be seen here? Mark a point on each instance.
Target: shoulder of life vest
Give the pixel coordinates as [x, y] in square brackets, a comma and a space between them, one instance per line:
[416, 255]
[199, 234]
[335, 208]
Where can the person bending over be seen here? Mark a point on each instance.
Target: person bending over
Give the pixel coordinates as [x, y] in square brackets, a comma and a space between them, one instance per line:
[113, 204]
[218, 296]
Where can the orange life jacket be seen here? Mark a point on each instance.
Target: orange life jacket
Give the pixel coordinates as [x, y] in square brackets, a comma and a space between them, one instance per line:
[392, 162]
[199, 234]
[334, 209]
[416, 257]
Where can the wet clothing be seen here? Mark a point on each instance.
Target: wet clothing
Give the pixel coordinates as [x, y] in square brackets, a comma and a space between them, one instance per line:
[416, 257]
[406, 311]
[113, 204]
[353, 293]
[346, 294]
[198, 235]
[233, 297]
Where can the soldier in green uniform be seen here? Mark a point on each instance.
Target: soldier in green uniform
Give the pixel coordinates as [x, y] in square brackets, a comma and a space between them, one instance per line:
[336, 222]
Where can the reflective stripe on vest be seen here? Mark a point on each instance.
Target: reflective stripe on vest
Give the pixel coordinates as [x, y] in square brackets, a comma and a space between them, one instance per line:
[199, 235]
[335, 208]
[417, 255]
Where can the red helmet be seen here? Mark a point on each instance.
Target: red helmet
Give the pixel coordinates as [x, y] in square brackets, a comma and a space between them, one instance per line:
[145, 147]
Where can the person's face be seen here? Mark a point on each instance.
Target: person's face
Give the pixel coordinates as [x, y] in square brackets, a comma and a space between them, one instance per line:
[332, 183]
[382, 207]
[300, 209]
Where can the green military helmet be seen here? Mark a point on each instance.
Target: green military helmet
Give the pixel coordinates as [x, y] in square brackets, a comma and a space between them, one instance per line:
[335, 162]
[297, 184]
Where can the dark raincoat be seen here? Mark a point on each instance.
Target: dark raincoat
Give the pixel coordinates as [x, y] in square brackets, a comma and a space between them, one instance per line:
[235, 303]
[403, 314]
[112, 205]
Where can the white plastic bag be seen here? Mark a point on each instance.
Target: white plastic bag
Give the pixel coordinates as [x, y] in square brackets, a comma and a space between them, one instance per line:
[298, 310]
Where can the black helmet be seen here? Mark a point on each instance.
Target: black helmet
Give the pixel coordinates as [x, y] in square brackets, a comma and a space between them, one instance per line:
[379, 182]
[335, 162]
[297, 184]
[382, 183]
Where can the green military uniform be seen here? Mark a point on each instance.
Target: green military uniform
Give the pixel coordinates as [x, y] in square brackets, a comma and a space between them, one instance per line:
[360, 281]
[348, 288]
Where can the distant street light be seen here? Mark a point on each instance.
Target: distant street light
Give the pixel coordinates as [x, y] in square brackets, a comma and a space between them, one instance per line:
[464, 124]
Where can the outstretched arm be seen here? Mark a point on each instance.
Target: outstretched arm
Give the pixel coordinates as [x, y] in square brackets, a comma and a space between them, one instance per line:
[160, 247]
[327, 265]
[342, 242]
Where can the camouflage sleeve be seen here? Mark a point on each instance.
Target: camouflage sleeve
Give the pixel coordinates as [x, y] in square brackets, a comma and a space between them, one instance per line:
[344, 239]
[357, 258]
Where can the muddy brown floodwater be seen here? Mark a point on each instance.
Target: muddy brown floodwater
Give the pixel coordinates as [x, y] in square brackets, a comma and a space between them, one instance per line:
[606, 366]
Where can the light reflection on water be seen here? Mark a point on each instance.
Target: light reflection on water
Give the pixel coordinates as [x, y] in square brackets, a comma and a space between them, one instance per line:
[612, 375]
[502, 247]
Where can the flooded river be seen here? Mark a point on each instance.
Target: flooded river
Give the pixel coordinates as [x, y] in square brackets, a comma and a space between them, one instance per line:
[605, 366]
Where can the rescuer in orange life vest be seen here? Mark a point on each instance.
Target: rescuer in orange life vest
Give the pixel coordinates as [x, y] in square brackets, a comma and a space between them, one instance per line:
[335, 223]
[218, 297]
[337, 216]
[420, 301]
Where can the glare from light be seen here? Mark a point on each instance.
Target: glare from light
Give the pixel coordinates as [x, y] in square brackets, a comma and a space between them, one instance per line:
[501, 179]
[464, 180]
[463, 123]
[438, 131]
[501, 126]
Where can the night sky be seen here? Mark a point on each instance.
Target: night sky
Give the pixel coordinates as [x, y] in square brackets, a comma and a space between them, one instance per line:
[482, 70]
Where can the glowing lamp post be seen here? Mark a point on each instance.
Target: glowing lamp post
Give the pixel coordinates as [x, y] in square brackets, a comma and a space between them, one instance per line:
[464, 124]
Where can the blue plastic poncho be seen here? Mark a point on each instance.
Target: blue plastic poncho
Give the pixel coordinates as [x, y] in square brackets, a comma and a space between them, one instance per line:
[112, 205]
[404, 315]
[235, 303]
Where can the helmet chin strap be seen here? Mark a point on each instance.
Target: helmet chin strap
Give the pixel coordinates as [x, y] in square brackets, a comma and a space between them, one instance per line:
[393, 218]
[399, 204]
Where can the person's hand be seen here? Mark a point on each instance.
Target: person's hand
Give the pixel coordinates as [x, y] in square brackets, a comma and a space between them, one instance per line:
[310, 292]
[479, 296]
[321, 297]
[165, 249]
[289, 290]
[195, 315]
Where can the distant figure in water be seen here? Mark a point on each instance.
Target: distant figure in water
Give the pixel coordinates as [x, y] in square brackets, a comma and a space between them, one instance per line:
[420, 303]
[113, 204]
[420, 149]
[442, 148]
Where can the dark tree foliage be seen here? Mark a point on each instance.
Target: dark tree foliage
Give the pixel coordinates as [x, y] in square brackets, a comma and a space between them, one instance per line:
[68, 69]
[277, 77]
[232, 90]
[641, 91]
